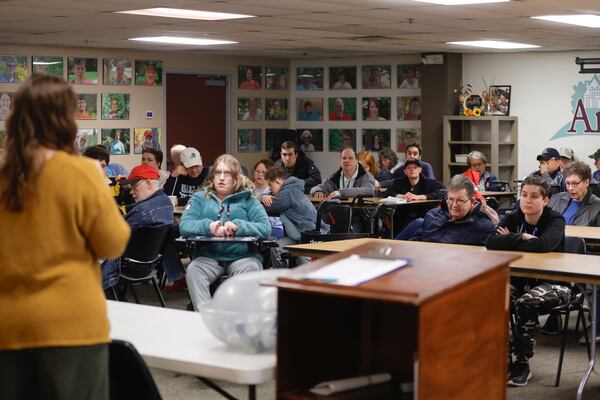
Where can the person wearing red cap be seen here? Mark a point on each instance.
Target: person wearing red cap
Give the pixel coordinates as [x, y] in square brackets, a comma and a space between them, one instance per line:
[152, 208]
[146, 143]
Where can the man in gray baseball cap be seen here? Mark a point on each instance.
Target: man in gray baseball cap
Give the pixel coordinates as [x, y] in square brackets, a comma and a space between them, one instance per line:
[596, 158]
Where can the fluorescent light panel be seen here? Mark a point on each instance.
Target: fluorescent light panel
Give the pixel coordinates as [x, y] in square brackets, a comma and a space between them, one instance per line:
[494, 44]
[181, 40]
[185, 14]
[587, 20]
[460, 2]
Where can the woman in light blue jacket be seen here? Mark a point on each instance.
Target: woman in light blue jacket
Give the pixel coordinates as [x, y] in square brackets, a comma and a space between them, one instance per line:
[225, 207]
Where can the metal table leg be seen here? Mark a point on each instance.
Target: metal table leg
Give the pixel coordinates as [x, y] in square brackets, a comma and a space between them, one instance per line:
[225, 394]
[590, 367]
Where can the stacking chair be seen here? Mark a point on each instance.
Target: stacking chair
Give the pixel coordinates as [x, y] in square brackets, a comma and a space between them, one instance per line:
[572, 245]
[339, 218]
[129, 375]
[142, 258]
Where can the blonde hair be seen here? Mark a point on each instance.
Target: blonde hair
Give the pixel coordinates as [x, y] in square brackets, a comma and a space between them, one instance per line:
[368, 161]
[241, 181]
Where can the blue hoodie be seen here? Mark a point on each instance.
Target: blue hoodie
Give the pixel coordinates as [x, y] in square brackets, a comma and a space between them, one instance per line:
[294, 207]
[241, 208]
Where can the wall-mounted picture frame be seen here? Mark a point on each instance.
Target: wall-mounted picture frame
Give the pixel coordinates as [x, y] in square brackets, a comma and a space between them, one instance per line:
[408, 108]
[250, 109]
[274, 138]
[146, 138]
[376, 140]
[2, 140]
[409, 76]
[277, 78]
[309, 109]
[13, 69]
[87, 106]
[249, 140]
[499, 100]
[115, 106]
[342, 108]
[148, 72]
[339, 139]
[117, 72]
[342, 78]
[117, 140]
[309, 78]
[310, 140]
[376, 76]
[376, 108]
[83, 71]
[48, 65]
[85, 138]
[406, 137]
[249, 77]
[6, 101]
[277, 109]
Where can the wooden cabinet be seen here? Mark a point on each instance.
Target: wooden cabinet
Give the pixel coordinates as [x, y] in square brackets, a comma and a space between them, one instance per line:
[440, 322]
[494, 136]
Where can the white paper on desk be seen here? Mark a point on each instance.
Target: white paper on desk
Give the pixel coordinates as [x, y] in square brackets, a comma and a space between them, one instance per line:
[355, 269]
[341, 385]
[392, 200]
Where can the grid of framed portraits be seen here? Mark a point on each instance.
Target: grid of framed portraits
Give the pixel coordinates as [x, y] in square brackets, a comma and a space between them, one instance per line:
[83, 71]
[118, 141]
[250, 77]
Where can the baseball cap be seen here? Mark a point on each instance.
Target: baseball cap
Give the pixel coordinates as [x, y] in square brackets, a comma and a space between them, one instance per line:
[548, 153]
[190, 157]
[148, 133]
[140, 173]
[415, 162]
[595, 155]
[567, 152]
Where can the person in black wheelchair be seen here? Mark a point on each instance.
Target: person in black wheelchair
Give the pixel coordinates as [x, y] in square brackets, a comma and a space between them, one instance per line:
[224, 208]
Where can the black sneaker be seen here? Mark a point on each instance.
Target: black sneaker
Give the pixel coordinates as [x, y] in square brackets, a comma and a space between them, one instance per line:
[519, 374]
[552, 325]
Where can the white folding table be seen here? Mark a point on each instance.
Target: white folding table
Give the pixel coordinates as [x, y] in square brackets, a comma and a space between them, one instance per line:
[179, 341]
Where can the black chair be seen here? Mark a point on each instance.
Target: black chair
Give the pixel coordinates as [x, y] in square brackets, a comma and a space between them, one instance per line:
[142, 258]
[129, 375]
[572, 245]
[339, 218]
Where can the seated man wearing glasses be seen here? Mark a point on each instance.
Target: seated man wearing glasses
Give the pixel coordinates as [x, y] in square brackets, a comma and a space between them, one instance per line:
[461, 219]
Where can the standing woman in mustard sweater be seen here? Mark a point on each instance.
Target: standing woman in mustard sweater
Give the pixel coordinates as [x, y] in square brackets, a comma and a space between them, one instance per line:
[57, 218]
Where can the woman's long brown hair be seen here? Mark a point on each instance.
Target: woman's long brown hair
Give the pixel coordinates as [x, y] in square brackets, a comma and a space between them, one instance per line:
[42, 116]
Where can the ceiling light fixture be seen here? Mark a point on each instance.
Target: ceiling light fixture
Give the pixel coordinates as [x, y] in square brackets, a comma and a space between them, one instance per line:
[460, 2]
[182, 40]
[494, 44]
[184, 14]
[587, 20]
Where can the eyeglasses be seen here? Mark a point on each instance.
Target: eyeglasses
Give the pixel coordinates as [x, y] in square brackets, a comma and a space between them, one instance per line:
[226, 174]
[257, 172]
[572, 184]
[458, 202]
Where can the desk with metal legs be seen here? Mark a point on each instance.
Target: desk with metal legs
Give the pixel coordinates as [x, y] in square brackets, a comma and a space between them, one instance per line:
[579, 268]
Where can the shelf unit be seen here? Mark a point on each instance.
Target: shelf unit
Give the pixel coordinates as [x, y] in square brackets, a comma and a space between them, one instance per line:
[447, 336]
[494, 136]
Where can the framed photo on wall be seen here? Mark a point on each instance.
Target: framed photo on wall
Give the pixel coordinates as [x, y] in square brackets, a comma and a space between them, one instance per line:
[309, 109]
[13, 69]
[249, 109]
[277, 109]
[249, 140]
[83, 71]
[2, 139]
[309, 78]
[339, 139]
[376, 108]
[249, 77]
[117, 72]
[499, 100]
[115, 106]
[116, 141]
[375, 140]
[277, 78]
[146, 138]
[48, 65]
[310, 140]
[342, 78]
[409, 108]
[87, 107]
[406, 137]
[85, 138]
[342, 108]
[6, 100]
[376, 76]
[409, 76]
[148, 72]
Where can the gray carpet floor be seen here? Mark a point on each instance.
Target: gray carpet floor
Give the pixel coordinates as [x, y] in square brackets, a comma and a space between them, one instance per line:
[541, 387]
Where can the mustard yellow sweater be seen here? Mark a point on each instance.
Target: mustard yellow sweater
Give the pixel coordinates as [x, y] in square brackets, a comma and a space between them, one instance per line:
[50, 284]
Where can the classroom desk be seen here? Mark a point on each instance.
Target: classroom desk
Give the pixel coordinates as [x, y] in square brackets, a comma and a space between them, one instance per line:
[579, 268]
[498, 194]
[591, 233]
[179, 341]
[354, 201]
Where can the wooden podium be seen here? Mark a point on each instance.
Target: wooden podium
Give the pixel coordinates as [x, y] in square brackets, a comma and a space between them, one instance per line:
[440, 322]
